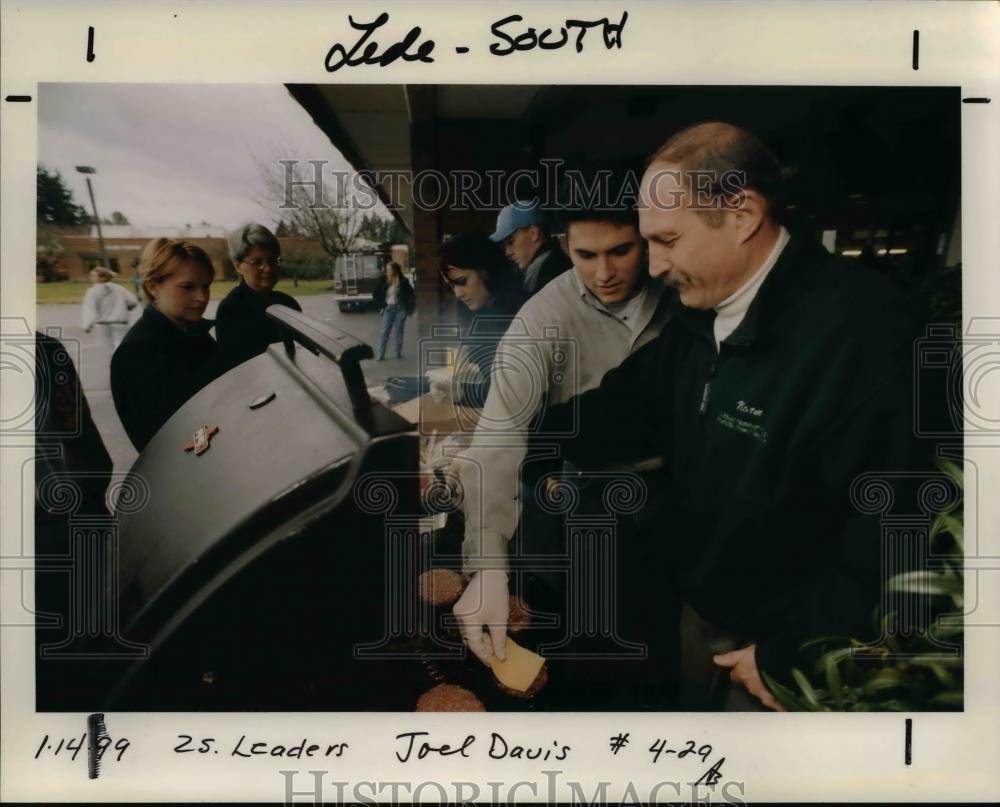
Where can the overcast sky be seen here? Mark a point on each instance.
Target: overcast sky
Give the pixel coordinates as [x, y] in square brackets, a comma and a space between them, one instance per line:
[175, 154]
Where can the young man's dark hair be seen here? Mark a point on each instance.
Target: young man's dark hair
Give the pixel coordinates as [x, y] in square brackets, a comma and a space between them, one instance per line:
[599, 193]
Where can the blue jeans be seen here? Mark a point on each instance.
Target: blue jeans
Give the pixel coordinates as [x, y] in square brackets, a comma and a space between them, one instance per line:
[391, 314]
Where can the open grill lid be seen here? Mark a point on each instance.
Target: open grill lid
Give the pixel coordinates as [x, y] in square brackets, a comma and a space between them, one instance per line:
[295, 425]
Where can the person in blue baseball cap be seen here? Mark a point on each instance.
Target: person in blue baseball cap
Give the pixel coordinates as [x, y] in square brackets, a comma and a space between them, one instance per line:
[522, 229]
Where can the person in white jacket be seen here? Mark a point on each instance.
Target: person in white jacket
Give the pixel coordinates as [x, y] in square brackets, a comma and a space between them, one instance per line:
[107, 305]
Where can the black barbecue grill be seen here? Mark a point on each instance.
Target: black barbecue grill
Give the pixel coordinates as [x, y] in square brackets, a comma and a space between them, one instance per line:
[255, 570]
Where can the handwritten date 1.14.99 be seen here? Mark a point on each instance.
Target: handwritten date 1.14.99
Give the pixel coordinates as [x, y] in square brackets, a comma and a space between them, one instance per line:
[74, 745]
[510, 39]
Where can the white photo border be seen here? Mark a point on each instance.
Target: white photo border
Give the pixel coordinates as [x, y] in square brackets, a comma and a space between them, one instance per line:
[794, 757]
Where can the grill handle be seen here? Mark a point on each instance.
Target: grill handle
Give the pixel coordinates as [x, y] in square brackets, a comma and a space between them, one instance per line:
[346, 351]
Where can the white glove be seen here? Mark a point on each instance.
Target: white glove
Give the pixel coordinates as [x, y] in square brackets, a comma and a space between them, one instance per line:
[485, 602]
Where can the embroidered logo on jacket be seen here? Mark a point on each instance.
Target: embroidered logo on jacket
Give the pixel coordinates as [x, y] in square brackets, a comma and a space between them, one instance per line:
[742, 423]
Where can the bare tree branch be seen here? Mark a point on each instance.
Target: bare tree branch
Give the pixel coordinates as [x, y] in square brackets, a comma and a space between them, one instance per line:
[314, 202]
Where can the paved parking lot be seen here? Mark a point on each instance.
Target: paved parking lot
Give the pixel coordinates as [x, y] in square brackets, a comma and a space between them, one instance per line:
[94, 362]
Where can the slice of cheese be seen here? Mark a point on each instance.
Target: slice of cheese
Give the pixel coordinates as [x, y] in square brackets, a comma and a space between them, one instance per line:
[520, 668]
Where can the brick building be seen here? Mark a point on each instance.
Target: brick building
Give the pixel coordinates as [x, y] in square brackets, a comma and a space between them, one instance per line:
[124, 245]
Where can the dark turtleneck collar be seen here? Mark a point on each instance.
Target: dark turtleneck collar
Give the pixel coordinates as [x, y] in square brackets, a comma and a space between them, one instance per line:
[161, 323]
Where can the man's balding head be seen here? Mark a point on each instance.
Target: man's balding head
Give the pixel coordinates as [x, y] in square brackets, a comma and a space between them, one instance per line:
[717, 162]
[706, 209]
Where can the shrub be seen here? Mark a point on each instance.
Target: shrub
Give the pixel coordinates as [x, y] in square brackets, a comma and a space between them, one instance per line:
[915, 674]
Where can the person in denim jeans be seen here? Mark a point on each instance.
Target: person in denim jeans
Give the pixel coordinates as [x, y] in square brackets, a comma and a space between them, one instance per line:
[396, 301]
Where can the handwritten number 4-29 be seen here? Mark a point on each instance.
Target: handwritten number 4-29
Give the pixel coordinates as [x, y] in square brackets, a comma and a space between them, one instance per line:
[659, 748]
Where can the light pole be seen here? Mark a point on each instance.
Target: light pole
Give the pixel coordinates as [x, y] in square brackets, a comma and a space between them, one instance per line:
[86, 169]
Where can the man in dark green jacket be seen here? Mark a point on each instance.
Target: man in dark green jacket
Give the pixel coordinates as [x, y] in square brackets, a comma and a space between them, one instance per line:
[783, 377]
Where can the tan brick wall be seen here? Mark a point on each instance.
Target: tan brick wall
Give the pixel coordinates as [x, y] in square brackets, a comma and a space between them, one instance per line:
[83, 251]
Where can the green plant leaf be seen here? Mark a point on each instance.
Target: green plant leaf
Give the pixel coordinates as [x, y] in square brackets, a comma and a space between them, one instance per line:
[924, 582]
[810, 694]
[955, 527]
[948, 700]
[929, 659]
[951, 567]
[837, 656]
[838, 640]
[886, 678]
[942, 628]
[946, 523]
[953, 470]
[785, 696]
[894, 705]
[858, 676]
[944, 668]
[834, 682]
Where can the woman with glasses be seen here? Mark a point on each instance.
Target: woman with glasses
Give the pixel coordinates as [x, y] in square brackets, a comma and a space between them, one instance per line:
[241, 326]
[491, 294]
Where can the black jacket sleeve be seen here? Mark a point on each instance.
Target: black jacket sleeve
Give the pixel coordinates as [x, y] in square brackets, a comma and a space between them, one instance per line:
[621, 420]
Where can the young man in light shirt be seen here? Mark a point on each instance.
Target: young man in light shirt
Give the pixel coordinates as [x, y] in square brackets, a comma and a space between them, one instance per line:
[582, 324]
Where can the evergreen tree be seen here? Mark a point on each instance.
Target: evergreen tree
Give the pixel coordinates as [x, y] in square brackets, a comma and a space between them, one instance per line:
[55, 205]
[383, 230]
